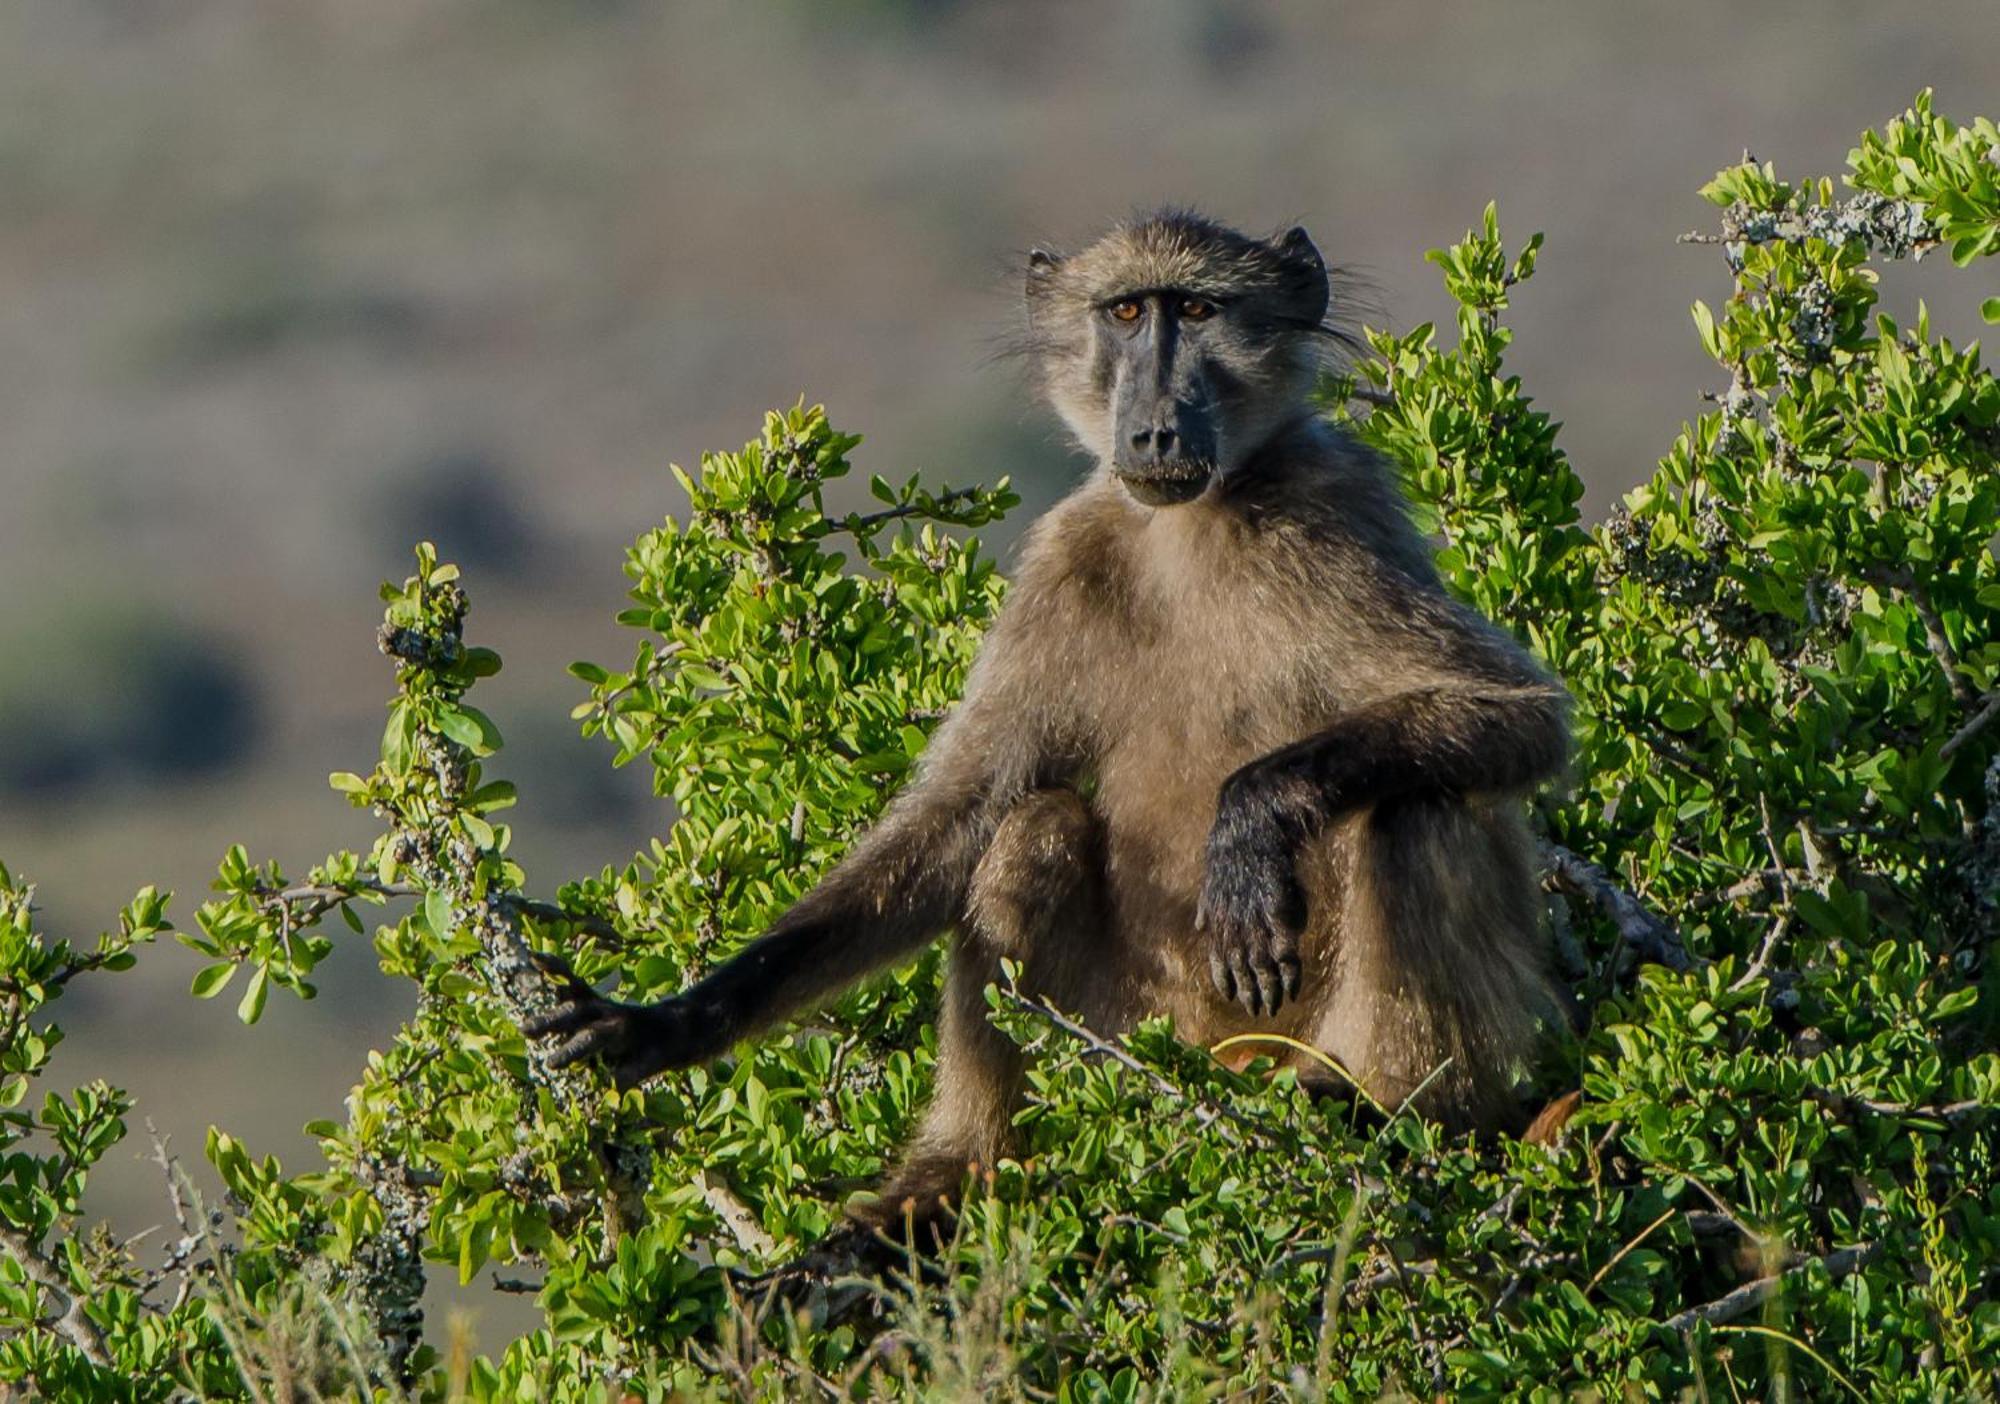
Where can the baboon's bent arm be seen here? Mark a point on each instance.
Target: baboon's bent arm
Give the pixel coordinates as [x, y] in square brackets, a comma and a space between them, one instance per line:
[1449, 739]
[1444, 739]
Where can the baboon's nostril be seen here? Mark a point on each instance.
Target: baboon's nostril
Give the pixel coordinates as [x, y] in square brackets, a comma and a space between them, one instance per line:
[1163, 440]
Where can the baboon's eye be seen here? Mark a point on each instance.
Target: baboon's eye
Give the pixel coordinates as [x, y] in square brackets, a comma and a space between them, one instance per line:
[1196, 309]
[1127, 310]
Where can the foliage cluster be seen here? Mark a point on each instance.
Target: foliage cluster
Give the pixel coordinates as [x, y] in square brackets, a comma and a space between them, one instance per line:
[1773, 884]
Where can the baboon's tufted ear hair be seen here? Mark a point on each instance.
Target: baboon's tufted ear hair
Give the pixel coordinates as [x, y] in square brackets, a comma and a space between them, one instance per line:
[1297, 245]
[1041, 267]
[1307, 271]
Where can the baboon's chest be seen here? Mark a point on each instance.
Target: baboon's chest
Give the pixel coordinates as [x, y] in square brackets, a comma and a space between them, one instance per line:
[1187, 717]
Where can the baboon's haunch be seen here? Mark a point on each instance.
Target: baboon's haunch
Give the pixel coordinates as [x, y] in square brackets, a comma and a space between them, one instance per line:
[1229, 753]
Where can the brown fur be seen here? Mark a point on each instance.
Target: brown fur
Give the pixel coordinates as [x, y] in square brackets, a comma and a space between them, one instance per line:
[1273, 661]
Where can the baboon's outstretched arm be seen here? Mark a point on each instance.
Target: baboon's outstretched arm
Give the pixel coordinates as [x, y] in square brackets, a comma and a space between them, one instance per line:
[901, 885]
[1448, 739]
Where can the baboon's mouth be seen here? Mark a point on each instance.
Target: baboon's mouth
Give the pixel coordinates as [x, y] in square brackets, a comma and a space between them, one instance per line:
[1166, 486]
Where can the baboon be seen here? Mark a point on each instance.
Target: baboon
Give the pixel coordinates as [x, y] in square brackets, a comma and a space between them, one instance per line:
[1229, 752]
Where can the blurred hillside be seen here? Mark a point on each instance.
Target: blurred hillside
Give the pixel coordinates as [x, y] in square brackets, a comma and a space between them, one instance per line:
[287, 288]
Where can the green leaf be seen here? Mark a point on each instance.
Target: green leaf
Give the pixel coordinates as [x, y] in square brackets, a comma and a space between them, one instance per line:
[210, 980]
[251, 1007]
[437, 914]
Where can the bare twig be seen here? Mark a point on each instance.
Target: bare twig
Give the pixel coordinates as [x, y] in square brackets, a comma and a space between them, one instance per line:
[1776, 933]
[1751, 1295]
[182, 1253]
[1764, 882]
[1641, 929]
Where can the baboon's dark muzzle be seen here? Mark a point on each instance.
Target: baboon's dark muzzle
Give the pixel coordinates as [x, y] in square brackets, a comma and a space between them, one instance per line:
[1165, 452]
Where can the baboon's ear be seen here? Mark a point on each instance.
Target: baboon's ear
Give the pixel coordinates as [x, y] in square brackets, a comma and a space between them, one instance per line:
[1041, 264]
[1306, 269]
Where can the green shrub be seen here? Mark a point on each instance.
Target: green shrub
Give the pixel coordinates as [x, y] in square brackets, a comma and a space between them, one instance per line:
[1774, 884]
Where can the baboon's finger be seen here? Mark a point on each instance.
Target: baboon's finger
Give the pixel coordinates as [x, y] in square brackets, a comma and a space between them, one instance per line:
[564, 1018]
[1246, 983]
[1218, 974]
[559, 970]
[1270, 985]
[1291, 969]
[585, 1045]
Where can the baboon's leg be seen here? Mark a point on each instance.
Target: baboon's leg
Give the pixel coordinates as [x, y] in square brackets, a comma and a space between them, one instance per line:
[1441, 972]
[1037, 898]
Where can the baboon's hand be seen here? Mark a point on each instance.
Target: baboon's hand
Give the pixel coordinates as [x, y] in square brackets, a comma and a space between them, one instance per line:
[1252, 910]
[633, 1041]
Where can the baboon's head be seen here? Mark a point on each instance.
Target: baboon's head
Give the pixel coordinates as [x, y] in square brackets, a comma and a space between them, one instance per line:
[1175, 348]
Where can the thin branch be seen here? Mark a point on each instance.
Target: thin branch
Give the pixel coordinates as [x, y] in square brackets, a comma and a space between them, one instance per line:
[73, 1324]
[1975, 724]
[1764, 882]
[1097, 1043]
[320, 898]
[1751, 1295]
[1637, 926]
[655, 668]
[1904, 582]
[1105, 1048]
[858, 522]
[1846, 1105]
[181, 1254]
[1776, 933]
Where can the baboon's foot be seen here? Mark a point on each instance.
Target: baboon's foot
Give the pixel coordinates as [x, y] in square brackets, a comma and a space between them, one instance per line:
[847, 1278]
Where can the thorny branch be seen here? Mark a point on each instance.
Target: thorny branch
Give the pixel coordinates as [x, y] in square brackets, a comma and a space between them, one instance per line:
[181, 1259]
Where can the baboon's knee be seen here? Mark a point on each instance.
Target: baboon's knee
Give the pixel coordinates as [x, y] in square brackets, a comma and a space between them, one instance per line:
[1040, 869]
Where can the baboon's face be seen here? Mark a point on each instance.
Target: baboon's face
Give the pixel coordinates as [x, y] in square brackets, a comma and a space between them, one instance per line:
[1175, 348]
